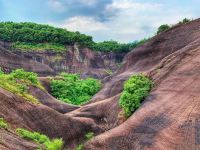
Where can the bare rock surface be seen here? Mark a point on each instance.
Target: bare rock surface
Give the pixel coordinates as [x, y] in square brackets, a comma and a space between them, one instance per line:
[37, 117]
[10, 61]
[169, 118]
[11, 141]
[75, 59]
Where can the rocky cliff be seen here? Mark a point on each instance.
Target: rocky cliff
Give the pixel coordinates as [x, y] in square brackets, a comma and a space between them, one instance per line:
[75, 59]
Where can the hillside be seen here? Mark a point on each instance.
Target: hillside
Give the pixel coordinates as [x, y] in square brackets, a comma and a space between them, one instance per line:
[74, 60]
[167, 119]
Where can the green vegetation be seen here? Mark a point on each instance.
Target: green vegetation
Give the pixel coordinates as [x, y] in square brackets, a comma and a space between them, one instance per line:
[88, 137]
[3, 124]
[55, 144]
[71, 89]
[37, 33]
[165, 27]
[18, 81]
[113, 46]
[38, 47]
[32, 36]
[184, 21]
[135, 90]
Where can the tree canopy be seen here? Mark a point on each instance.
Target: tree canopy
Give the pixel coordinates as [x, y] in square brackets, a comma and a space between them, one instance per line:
[27, 35]
[165, 27]
[37, 33]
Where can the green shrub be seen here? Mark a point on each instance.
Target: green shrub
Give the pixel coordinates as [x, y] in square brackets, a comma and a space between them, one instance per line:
[79, 147]
[3, 124]
[38, 46]
[184, 21]
[25, 76]
[1, 72]
[72, 89]
[55, 144]
[114, 46]
[163, 28]
[88, 137]
[18, 81]
[135, 90]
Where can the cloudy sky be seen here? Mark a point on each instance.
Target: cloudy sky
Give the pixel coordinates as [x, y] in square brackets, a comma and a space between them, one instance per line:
[121, 20]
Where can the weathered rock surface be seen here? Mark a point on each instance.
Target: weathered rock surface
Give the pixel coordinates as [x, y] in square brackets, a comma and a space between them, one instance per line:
[10, 61]
[37, 117]
[167, 120]
[9, 140]
[75, 60]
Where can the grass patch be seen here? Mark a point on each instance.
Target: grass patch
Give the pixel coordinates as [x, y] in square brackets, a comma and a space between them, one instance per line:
[18, 81]
[39, 46]
[54, 144]
[70, 88]
[88, 137]
[136, 89]
[3, 124]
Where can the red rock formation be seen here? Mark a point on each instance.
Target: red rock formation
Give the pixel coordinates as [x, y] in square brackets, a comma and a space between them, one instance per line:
[168, 118]
[75, 60]
[10, 61]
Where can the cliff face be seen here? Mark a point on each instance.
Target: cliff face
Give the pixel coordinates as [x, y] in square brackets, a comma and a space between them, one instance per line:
[75, 60]
[10, 61]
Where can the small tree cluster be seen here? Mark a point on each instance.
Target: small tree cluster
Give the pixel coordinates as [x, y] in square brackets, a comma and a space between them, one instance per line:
[166, 27]
[74, 90]
[135, 90]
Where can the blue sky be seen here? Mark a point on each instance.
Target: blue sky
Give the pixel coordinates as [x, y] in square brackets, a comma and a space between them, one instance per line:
[121, 20]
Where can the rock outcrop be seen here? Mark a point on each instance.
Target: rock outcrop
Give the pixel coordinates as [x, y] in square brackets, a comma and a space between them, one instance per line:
[169, 118]
[75, 59]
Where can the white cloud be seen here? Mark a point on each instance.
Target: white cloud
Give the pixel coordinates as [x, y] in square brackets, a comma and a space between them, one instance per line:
[128, 4]
[83, 24]
[56, 5]
[132, 20]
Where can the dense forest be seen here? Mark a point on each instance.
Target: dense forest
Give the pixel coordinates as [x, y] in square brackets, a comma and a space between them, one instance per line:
[36, 36]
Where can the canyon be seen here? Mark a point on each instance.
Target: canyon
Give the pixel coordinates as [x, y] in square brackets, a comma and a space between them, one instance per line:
[169, 118]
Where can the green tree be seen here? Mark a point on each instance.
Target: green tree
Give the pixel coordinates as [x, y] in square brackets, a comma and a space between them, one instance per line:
[72, 89]
[163, 28]
[135, 90]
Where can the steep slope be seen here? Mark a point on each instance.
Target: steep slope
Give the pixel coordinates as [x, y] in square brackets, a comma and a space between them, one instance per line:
[37, 117]
[10, 61]
[169, 118]
[75, 59]
[9, 140]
